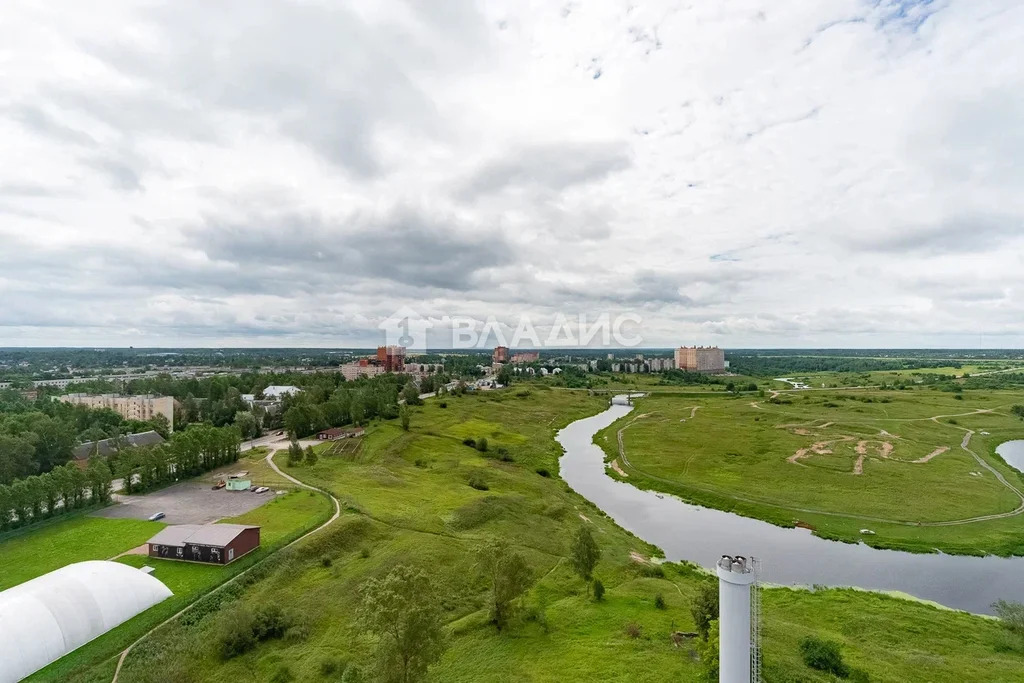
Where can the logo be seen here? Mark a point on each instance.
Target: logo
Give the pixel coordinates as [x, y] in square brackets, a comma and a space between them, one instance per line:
[405, 327]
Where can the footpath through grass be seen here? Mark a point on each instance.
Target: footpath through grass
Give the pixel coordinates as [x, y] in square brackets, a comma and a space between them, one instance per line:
[282, 520]
[858, 455]
[408, 501]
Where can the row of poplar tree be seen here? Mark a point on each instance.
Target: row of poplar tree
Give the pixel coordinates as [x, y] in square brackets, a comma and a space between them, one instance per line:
[65, 488]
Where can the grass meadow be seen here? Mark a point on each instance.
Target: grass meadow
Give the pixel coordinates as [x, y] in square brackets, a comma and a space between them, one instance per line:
[407, 500]
[861, 453]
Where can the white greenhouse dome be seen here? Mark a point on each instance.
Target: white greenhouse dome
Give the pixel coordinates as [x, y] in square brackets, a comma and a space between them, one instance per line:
[44, 619]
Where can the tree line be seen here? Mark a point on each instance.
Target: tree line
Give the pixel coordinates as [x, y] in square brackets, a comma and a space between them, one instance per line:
[198, 449]
[37, 436]
[61, 490]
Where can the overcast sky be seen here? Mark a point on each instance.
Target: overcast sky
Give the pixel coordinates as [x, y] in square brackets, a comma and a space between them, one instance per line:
[748, 173]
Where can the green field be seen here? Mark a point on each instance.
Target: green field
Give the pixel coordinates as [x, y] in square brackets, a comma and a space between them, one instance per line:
[281, 519]
[34, 551]
[406, 500]
[837, 461]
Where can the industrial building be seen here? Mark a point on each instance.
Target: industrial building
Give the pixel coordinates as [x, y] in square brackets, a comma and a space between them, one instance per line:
[525, 357]
[143, 407]
[207, 543]
[46, 618]
[700, 359]
[276, 392]
[388, 359]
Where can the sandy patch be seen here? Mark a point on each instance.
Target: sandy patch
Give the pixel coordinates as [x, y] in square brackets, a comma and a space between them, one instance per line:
[858, 467]
[638, 558]
[937, 452]
[802, 432]
[585, 518]
[796, 457]
[618, 470]
[139, 550]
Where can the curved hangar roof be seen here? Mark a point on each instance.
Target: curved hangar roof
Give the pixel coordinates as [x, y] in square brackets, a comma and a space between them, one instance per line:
[44, 619]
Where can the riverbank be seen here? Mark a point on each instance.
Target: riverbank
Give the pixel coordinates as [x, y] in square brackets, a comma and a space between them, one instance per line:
[909, 471]
[407, 500]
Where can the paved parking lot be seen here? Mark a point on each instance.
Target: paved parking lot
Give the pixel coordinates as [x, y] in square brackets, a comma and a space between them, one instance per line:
[189, 502]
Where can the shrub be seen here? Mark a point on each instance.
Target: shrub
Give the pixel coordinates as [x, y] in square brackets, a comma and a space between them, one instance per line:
[859, 676]
[634, 630]
[543, 472]
[704, 608]
[503, 454]
[325, 561]
[421, 463]
[481, 444]
[598, 590]
[652, 571]
[364, 552]
[469, 442]
[353, 674]
[477, 482]
[823, 655]
[1011, 615]
[443, 404]
[659, 601]
[282, 675]
[235, 637]
[330, 666]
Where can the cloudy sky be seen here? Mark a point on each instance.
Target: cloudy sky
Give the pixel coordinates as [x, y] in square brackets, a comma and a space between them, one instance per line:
[746, 173]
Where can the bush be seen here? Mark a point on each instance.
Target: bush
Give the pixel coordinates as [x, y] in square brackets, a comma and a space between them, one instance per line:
[353, 674]
[1011, 615]
[481, 444]
[469, 442]
[543, 472]
[659, 601]
[823, 655]
[859, 676]
[234, 638]
[503, 454]
[330, 666]
[477, 482]
[443, 404]
[634, 630]
[325, 561]
[598, 590]
[364, 552]
[652, 571]
[282, 675]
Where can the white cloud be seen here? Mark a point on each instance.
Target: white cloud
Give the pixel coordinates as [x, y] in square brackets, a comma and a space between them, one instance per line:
[286, 173]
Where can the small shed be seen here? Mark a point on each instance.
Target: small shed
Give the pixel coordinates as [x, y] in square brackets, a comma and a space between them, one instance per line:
[239, 484]
[207, 543]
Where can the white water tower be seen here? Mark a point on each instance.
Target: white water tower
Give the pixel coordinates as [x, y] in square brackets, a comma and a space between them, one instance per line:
[739, 649]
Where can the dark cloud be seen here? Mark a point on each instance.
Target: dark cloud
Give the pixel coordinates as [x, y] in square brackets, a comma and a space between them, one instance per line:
[404, 246]
[963, 234]
[550, 167]
[38, 121]
[320, 75]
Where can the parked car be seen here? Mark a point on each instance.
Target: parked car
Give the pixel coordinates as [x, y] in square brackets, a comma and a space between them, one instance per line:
[262, 489]
[156, 515]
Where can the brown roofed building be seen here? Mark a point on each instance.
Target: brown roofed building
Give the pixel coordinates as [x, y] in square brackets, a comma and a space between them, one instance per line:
[207, 543]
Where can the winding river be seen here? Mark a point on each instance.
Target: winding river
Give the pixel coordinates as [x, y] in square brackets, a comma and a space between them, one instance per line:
[789, 556]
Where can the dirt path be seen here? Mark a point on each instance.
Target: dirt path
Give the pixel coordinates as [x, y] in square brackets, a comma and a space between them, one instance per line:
[814, 511]
[270, 461]
[937, 452]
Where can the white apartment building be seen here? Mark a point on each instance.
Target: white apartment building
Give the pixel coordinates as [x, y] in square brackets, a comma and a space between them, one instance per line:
[143, 407]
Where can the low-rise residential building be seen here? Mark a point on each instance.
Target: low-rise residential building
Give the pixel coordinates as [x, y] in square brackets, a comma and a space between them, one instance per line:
[106, 447]
[207, 543]
[144, 407]
[335, 433]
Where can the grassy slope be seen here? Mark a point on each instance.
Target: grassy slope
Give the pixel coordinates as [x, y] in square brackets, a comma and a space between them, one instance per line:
[731, 450]
[408, 502]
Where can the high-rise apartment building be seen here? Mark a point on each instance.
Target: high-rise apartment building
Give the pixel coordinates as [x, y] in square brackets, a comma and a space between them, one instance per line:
[700, 359]
[143, 407]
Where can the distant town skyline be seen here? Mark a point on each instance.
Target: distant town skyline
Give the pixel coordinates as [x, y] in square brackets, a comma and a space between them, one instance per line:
[762, 175]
